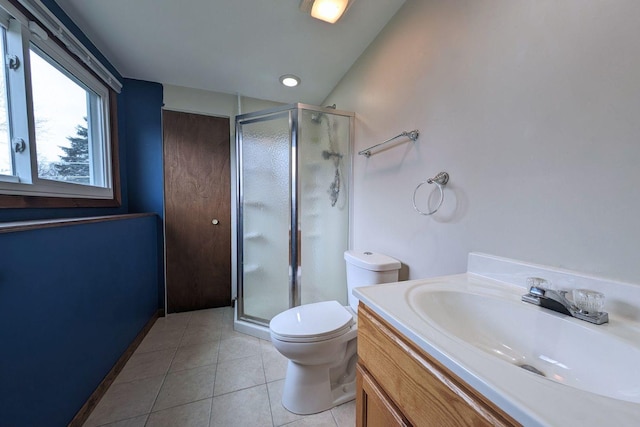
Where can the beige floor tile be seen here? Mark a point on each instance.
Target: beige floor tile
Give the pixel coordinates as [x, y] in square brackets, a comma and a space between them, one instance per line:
[160, 340]
[238, 374]
[195, 414]
[238, 347]
[227, 332]
[145, 365]
[275, 364]
[199, 334]
[171, 322]
[345, 414]
[209, 317]
[266, 345]
[204, 357]
[131, 422]
[278, 412]
[228, 315]
[186, 386]
[247, 408]
[125, 400]
[323, 419]
[193, 356]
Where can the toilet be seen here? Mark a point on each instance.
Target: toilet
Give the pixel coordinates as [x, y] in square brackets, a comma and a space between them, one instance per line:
[319, 339]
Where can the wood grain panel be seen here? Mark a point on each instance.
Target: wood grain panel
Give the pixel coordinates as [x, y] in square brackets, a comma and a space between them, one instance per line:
[17, 226]
[427, 393]
[197, 190]
[373, 407]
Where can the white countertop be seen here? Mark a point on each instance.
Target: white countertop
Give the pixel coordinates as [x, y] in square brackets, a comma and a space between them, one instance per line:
[528, 398]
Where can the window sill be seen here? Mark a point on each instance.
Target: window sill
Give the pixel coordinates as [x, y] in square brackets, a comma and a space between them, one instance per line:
[11, 201]
[15, 226]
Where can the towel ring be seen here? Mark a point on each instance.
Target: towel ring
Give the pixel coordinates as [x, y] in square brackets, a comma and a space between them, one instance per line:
[440, 180]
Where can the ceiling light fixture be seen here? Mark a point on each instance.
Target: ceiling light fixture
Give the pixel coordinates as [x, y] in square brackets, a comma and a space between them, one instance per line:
[290, 80]
[325, 10]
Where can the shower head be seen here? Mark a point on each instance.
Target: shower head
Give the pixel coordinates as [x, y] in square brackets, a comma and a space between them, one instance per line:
[317, 117]
[329, 154]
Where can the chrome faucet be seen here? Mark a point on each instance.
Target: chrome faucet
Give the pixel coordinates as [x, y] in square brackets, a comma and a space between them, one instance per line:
[586, 306]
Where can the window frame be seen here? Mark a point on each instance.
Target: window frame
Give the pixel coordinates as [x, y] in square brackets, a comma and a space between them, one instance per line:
[37, 192]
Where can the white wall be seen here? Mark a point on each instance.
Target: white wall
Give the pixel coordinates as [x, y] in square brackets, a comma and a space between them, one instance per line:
[534, 110]
[198, 101]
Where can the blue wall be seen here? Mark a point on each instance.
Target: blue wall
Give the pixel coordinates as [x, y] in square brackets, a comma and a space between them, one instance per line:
[142, 107]
[143, 110]
[72, 299]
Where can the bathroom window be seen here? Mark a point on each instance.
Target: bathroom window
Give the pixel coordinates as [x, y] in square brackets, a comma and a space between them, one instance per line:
[55, 131]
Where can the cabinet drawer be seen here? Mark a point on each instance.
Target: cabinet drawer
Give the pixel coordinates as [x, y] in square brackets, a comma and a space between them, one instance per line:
[427, 393]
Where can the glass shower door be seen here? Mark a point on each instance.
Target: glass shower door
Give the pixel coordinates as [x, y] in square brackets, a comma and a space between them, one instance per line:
[265, 205]
[324, 171]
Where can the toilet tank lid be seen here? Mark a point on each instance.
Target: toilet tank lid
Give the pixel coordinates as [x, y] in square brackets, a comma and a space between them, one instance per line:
[371, 260]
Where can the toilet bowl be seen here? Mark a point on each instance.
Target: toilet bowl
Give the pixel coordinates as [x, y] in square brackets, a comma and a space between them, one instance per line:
[319, 339]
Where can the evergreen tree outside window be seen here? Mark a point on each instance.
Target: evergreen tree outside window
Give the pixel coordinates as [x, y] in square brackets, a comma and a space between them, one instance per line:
[74, 165]
[59, 104]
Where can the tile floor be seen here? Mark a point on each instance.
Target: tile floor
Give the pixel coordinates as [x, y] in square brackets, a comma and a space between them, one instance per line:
[193, 369]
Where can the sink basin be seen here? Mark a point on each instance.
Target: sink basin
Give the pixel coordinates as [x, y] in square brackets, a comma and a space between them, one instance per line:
[544, 343]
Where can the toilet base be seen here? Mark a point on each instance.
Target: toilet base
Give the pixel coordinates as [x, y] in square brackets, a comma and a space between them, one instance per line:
[308, 389]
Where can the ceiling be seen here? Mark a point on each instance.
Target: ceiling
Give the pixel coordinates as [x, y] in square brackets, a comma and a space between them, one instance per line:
[231, 46]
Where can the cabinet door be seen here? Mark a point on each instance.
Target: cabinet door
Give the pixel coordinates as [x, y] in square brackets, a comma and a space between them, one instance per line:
[373, 407]
[427, 393]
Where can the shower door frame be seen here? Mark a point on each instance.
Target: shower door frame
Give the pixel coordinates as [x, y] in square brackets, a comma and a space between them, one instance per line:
[294, 114]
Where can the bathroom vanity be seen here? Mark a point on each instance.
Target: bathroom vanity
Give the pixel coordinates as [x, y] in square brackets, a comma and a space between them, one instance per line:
[398, 384]
[466, 350]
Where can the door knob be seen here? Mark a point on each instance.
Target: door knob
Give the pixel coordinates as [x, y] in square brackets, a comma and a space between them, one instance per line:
[215, 222]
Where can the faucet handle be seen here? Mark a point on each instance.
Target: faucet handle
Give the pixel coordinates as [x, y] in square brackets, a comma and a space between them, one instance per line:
[538, 286]
[588, 301]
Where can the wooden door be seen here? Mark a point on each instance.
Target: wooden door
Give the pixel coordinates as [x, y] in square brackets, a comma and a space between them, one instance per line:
[197, 211]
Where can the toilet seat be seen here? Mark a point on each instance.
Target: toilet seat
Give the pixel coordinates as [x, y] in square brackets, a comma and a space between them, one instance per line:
[312, 322]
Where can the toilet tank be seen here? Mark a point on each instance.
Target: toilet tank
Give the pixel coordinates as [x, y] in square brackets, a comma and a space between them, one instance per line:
[368, 268]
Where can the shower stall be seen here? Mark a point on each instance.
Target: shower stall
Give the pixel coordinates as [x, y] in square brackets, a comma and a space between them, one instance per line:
[293, 167]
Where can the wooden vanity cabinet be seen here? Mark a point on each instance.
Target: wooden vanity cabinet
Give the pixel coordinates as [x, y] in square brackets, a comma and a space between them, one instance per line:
[398, 384]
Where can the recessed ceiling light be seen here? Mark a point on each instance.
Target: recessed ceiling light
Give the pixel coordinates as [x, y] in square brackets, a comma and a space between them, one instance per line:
[290, 80]
[325, 10]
